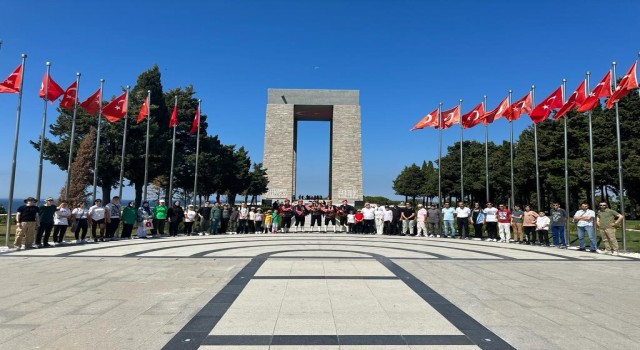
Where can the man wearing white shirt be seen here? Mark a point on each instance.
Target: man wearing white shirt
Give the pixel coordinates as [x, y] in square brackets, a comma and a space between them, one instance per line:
[369, 216]
[462, 214]
[584, 219]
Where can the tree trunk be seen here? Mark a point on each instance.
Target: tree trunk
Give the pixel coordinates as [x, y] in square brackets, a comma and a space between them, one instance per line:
[106, 194]
[138, 189]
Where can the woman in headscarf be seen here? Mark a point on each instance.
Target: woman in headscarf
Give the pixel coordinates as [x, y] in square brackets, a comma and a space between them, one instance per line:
[144, 213]
[129, 218]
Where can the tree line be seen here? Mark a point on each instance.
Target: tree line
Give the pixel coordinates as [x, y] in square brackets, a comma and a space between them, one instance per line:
[422, 181]
[222, 169]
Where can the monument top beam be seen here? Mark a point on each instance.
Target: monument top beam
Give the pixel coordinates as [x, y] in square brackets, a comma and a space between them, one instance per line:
[313, 97]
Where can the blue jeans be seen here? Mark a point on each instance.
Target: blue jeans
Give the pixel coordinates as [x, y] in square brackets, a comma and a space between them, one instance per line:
[558, 235]
[449, 224]
[592, 237]
[214, 226]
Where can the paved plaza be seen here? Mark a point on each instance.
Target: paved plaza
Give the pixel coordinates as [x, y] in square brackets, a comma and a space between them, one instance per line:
[317, 291]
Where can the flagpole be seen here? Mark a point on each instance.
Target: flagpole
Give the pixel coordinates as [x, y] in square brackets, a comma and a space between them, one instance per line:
[124, 140]
[513, 194]
[620, 170]
[535, 140]
[15, 152]
[566, 162]
[486, 148]
[44, 126]
[461, 165]
[72, 139]
[146, 151]
[440, 155]
[173, 155]
[195, 180]
[591, 167]
[95, 163]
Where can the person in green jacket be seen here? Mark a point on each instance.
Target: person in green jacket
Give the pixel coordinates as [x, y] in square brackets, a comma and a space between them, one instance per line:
[159, 218]
[216, 217]
[128, 216]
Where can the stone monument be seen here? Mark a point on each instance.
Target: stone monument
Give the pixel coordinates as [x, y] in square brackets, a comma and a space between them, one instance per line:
[341, 108]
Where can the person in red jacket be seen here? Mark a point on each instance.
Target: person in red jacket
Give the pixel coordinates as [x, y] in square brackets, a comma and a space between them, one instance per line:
[359, 217]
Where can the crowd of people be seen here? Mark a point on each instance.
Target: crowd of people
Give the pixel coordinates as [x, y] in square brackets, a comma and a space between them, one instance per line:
[114, 221]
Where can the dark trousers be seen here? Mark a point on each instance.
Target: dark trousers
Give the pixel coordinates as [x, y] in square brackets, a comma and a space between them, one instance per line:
[286, 222]
[351, 228]
[242, 226]
[530, 233]
[463, 227]
[224, 225]
[258, 225]
[544, 237]
[81, 224]
[387, 228]
[126, 230]
[368, 226]
[477, 229]
[188, 227]
[173, 228]
[112, 227]
[492, 230]
[58, 233]
[44, 228]
[299, 221]
[315, 220]
[158, 226]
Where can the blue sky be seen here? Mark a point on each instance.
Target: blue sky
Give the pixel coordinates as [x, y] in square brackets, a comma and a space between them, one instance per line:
[404, 56]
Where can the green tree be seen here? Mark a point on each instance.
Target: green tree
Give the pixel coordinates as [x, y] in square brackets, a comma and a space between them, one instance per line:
[410, 182]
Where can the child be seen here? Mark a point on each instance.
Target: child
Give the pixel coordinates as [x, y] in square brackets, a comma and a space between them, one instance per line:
[359, 220]
[542, 226]
[268, 219]
[351, 221]
[275, 218]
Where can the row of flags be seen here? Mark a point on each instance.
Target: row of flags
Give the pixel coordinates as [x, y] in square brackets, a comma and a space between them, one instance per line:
[113, 111]
[578, 100]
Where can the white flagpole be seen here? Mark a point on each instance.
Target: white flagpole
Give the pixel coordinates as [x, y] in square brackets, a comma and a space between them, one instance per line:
[146, 151]
[44, 126]
[173, 155]
[95, 163]
[72, 139]
[440, 155]
[124, 141]
[535, 140]
[620, 170]
[566, 163]
[461, 140]
[195, 180]
[513, 193]
[15, 152]
[486, 148]
[592, 170]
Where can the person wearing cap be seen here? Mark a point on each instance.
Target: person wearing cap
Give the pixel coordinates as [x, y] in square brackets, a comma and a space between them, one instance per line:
[421, 219]
[45, 213]
[189, 219]
[26, 218]
[159, 218]
[268, 221]
[258, 218]
[143, 215]
[112, 217]
[96, 213]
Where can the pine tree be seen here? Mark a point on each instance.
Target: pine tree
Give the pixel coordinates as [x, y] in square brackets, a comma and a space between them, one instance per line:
[81, 170]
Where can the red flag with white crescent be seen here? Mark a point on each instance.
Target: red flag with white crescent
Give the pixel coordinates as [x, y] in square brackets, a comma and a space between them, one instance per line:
[11, 85]
[523, 105]
[196, 122]
[116, 109]
[92, 104]
[575, 100]
[498, 112]
[603, 89]
[430, 119]
[544, 108]
[628, 82]
[473, 118]
[69, 97]
[53, 89]
[449, 117]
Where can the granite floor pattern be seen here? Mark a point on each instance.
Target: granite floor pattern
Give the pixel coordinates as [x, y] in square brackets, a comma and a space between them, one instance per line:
[317, 291]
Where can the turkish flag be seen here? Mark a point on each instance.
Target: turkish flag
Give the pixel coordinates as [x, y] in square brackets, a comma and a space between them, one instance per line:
[543, 109]
[196, 122]
[53, 89]
[174, 117]
[69, 97]
[474, 117]
[627, 83]
[575, 100]
[603, 89]
[498, 112]
[519, 107]
[430, 119]
[92, 104]
[11, 85]
[449, 117]
[116, 109]
[144, 111]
